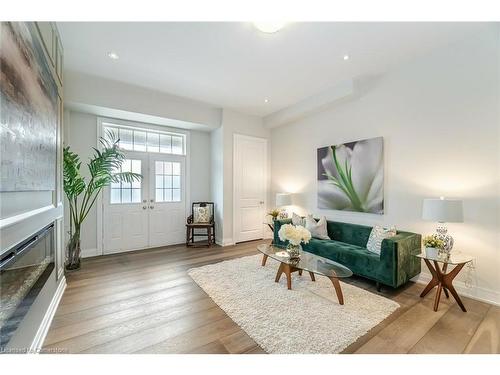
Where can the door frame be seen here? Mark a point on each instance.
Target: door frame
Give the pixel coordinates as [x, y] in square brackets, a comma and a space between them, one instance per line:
[146, 126]
[236, 138]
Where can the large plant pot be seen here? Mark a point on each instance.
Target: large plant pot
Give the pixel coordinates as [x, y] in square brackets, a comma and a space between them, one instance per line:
[73, 252]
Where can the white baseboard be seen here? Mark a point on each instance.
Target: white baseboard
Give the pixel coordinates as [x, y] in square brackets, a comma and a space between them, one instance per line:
[224, 242]
[86, 253]
[37, 343]
[477, 293]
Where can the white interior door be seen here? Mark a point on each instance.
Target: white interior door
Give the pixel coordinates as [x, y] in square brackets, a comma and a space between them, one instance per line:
[249, 178]
[167, 203]
[125, 216]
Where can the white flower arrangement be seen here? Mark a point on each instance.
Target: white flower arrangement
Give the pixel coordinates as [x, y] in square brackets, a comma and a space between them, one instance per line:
[294, 234]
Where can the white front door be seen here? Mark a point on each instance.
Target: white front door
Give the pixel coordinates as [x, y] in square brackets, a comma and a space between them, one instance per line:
[167, 203]
[126, 217]
[148, 213]
[250, 187]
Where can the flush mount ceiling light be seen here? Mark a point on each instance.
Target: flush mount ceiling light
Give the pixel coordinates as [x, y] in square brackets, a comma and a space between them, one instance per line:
[113, 55]
[269, 27]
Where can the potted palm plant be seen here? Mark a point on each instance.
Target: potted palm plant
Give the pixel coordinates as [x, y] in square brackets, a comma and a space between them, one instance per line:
[104, 168]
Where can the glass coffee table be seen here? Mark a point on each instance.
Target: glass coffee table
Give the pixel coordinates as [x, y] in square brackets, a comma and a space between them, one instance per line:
[314, 264]
[441, 279]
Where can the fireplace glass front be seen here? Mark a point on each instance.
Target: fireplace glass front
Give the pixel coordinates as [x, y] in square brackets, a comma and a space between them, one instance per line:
[24, 269]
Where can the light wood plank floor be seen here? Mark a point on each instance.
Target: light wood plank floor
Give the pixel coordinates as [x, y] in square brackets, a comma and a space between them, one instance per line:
[144, 302]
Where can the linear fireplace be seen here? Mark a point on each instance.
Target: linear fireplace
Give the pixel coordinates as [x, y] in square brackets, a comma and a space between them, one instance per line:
[24, 269]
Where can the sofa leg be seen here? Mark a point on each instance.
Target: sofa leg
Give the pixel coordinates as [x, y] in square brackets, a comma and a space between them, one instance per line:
[378, 286]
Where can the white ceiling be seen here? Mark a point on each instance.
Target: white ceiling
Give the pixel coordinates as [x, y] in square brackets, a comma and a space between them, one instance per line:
[232, 65]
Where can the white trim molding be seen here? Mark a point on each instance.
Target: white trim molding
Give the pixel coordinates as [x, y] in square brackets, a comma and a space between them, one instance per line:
[87, 253]
[100, 120]
[37, 343]
[224, 242]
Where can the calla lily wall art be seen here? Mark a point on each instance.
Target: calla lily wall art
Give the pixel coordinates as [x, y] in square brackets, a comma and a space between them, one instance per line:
[351, 176]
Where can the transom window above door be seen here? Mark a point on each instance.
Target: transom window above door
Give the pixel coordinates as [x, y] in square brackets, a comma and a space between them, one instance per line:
[137, 139]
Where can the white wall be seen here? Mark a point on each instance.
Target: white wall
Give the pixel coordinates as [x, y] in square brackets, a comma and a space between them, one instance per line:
[200, 153]
[439, 116]
[81, 136]
[121, 99]
[222, 165]
[217, 180]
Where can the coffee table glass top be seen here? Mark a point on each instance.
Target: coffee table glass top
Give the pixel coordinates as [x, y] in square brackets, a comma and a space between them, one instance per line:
[307, 262]
[451, 258]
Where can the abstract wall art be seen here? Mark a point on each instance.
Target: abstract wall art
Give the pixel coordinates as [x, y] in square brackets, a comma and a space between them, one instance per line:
[351, 176]
[28, 111]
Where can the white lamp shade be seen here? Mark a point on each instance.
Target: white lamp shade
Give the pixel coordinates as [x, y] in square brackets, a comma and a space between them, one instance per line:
[283, 199]
[443, 210]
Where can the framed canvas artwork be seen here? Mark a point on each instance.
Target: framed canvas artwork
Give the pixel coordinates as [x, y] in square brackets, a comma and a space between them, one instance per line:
[28, 111]
[351, 176]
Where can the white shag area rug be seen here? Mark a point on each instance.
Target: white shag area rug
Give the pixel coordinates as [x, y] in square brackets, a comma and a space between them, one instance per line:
[306, 319]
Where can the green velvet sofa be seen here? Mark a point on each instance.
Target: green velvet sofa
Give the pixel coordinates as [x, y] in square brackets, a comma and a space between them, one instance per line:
[394, 267]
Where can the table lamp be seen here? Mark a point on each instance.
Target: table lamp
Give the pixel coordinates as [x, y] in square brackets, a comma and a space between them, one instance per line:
[282, 200]
[443, 211]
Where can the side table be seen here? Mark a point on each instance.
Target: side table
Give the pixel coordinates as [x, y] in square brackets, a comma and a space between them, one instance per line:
[264, 256]
[442, 279]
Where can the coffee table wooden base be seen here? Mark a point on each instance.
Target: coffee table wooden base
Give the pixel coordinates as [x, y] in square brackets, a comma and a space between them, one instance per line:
[288, 270]
[264, 259]
[443, 281]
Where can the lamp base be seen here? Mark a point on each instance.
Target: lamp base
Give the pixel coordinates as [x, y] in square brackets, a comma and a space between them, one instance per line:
[442, 234]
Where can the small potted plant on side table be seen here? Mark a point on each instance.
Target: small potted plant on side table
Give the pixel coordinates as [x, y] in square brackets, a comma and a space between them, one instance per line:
[274, 213]
[433, 246]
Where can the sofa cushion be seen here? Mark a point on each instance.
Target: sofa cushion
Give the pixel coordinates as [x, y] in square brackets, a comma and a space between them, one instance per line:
[377, 235]
[298, 220]
[356, 258]
[318, 228]
[349, 233]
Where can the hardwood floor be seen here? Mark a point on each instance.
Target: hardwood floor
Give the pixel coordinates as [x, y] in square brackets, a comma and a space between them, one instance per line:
[144, 302]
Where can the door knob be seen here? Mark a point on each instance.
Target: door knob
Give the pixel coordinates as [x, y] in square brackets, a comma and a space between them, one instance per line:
[144, 207]
[151, 207]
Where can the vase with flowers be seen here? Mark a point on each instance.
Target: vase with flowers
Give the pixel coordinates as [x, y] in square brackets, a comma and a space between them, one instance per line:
[295, 235]
[434, 246]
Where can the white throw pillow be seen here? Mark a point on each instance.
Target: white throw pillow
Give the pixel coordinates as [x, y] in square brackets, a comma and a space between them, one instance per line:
[201, 215]
[298, 220]
[377, 235]
[317, 229]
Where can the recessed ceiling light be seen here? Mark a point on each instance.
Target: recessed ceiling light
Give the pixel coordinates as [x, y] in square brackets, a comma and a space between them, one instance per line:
[113, 55]
[346, 57]
[269, 27]
[266, 100]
